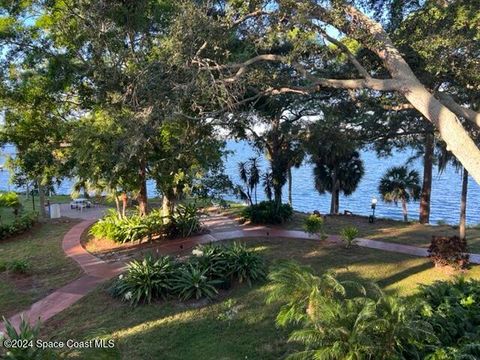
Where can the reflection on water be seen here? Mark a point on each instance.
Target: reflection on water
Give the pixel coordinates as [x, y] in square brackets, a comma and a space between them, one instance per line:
[445, 192]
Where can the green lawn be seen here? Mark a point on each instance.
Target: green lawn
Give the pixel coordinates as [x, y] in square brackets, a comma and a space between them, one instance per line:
[49, 268]
[192, 330]
[411, 233]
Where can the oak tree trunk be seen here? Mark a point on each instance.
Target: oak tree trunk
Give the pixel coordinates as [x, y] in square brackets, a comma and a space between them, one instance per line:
[124, 204]
[427, 179]
[452, 132]
[41, 198]
[142, 194]
[463, 205]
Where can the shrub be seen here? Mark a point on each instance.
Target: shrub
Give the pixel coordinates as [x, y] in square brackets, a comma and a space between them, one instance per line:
[184, 221]
[9, 199]
[212, 259]
[451, 251]
[28, 334]
[19, 225]
[128, 229]
[452, 307]
[18, 266]
[268, 212]
[145, 280]
[244, 264]
[211, 266]
[337, 323]
[313, 224]
[192, 282]
[349, 234]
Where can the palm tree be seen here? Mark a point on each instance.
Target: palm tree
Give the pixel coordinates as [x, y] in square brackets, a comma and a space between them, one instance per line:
[338, 167]
[400, 184]
[337, 174]
[268, 185]
[250, 175]
[254, 176]
[344, 319]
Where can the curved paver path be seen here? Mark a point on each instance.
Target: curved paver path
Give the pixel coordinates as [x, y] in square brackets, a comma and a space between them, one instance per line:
[222, 228]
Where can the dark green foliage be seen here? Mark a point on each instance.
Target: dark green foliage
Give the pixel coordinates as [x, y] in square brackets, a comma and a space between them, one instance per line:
[192, 282]
[268, 212]
[451, 251]
[211, 266]
[244, 265]
[21, 224]
[185, 221]
[452, 307]
[212, 259]
[18, 266]
[145, 280]
[348, 320]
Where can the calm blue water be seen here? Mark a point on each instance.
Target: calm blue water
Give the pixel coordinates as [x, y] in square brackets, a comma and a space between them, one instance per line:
[445, 192]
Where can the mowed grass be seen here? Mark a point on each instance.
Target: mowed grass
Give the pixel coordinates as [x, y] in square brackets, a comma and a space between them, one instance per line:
[174, 330]
[49, 268]
[410, 233]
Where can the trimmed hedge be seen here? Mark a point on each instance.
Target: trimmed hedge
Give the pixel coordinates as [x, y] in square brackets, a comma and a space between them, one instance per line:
[268, 212]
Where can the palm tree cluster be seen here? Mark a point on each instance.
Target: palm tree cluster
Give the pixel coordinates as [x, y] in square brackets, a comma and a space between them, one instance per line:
[344, 319]
[250, 175]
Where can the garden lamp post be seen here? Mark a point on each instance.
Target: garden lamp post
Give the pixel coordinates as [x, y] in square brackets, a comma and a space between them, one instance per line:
[371, 218]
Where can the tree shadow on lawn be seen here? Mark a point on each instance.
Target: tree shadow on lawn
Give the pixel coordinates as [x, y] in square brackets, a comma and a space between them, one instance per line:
[172, 330]
[192, 330]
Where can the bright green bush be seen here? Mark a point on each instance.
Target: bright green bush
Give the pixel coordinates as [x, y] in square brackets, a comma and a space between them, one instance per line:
[349, 234]
[9, 199]
[130, 228]
[193, 282]
[268, 212]
[313, 224]
[151, 278]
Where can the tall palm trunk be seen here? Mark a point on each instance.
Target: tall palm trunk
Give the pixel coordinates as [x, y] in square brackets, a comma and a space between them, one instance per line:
[463, 205]
[334, 193]
[404, 210]
[427, 179]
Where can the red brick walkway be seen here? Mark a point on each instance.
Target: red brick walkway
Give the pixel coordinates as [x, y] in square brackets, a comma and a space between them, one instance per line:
[98, 271]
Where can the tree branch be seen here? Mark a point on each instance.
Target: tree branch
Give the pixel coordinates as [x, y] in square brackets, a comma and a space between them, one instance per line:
[459, 110]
